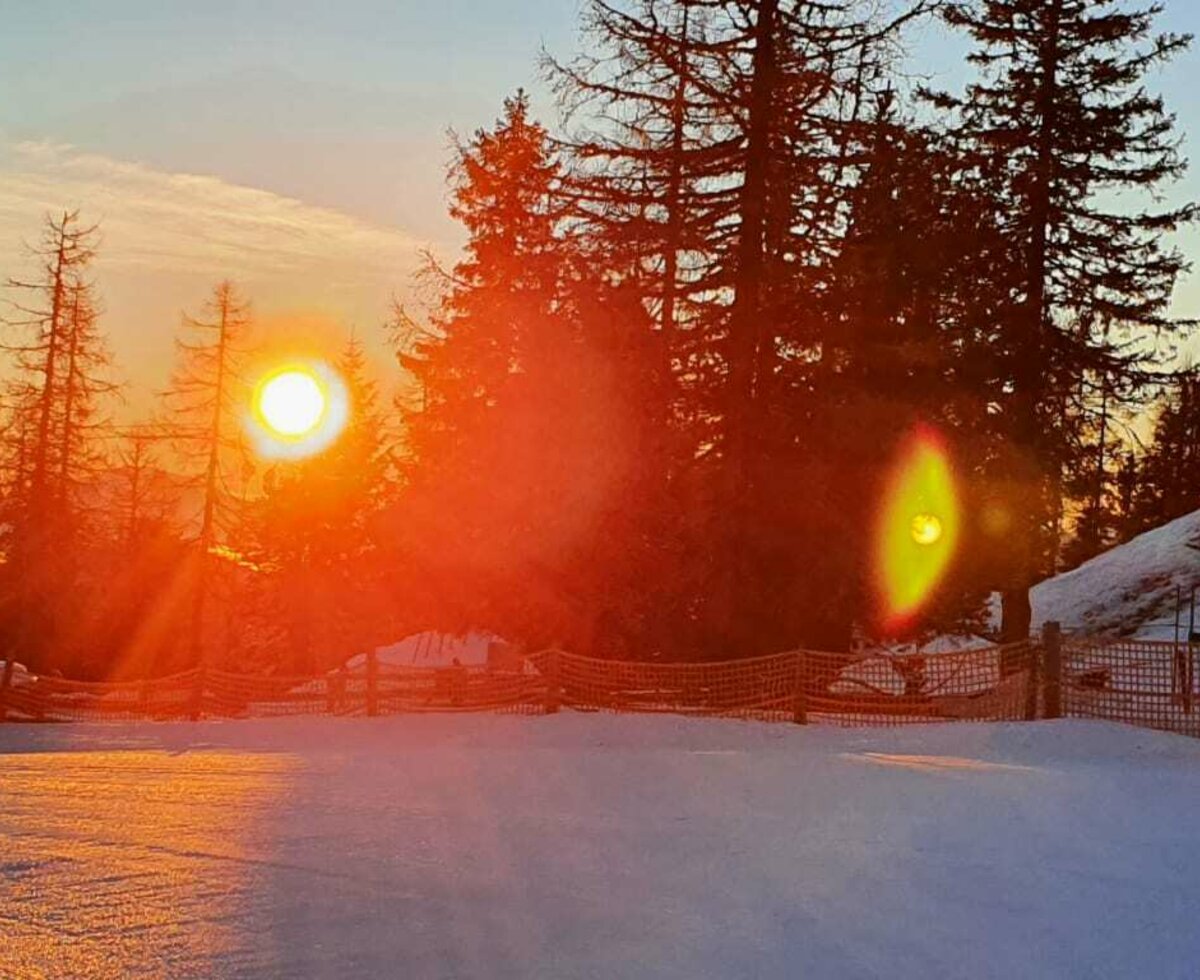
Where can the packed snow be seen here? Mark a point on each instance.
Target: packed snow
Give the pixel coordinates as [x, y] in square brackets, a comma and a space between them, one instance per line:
[1131, 589]
[597, 846]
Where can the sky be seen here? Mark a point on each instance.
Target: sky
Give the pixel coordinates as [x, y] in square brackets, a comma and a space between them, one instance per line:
[297, 147]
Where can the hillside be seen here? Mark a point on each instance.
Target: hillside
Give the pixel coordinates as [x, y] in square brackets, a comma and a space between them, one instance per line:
[1129, 590]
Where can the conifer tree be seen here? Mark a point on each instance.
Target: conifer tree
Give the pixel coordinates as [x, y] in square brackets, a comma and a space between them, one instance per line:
[1168, 475]
[728, 136]
[57, 392]
[207, 398]
[527, 495]
[315, 531]
[1061, 100]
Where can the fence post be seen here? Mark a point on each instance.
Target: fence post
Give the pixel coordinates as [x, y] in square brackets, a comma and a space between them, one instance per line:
[201, 679]
[799, 694]
[553, 681]
[372, 684]
[5, 684]
[1033, 684]
[1052, 669]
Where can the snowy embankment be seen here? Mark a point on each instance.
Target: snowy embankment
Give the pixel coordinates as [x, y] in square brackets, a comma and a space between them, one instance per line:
[597, 846]
[1129, 590]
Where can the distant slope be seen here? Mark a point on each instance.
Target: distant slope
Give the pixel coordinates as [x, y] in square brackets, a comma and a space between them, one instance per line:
[1130, 589]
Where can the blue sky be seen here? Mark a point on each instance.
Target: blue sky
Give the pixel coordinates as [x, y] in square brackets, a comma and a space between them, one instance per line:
[340, 104]
[280, 137]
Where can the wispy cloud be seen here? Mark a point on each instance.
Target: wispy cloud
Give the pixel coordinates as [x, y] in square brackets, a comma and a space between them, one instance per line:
[166, 238]
[190, 223]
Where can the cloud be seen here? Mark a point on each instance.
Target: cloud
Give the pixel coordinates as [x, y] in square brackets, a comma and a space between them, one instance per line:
[167, 238]
[193, 224]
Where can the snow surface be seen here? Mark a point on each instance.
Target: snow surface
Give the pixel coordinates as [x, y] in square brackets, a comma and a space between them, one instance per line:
[1128, 590]
[597, 846]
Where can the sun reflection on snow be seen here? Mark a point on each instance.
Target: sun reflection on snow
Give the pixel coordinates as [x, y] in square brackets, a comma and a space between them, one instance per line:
[120, 863]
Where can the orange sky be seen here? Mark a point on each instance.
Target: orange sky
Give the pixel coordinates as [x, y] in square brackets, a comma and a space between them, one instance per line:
[167, 238]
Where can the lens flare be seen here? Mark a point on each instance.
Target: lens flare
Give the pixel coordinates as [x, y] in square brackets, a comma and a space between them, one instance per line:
[926, 529]
[918, 528]
[298, 410]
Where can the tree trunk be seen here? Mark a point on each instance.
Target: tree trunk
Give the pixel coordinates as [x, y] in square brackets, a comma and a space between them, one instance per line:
[1029, 375]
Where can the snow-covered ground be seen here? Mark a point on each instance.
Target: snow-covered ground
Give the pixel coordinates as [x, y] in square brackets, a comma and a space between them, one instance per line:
[597, 846]
[1129, 590]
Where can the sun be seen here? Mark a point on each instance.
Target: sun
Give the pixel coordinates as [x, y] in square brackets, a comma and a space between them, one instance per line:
[298, 410]
[292, 403]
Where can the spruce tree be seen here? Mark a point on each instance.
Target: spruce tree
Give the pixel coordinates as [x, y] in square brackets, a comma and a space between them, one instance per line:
[529, 483]
[57, 392]
[1061, 99]
[314, 532]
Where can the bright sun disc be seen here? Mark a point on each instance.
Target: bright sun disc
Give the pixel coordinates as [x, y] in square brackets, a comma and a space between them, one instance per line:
[292, 403]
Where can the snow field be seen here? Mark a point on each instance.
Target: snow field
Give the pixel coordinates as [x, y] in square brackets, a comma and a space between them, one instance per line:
[597, 846]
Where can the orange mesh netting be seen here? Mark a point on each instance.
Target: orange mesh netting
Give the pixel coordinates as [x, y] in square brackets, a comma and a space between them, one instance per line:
[810, 686]
[1149, 684]
[1154, 685]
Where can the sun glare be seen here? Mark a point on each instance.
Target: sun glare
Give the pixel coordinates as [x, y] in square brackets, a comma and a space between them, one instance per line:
[292, 403]
[298, 411]
[918, 530]
[926, 529]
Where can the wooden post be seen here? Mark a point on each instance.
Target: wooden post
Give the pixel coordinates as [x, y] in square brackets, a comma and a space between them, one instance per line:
[553, 682]
[372, 684]
[799, 694]
[1052, 669]
[5, 684]
[197, 710]
[1033, 682]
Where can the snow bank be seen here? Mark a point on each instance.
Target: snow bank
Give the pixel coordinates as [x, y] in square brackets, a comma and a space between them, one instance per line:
[1130, 589]
[597, 846]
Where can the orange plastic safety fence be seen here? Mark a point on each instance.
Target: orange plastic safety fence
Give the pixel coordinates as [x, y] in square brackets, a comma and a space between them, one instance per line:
[761, 687]
[809, 686]
[57, 699]
[1153, 685]
[990, 684]
[221, 694]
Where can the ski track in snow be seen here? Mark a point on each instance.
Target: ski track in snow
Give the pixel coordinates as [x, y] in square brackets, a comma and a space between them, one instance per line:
[597, 846]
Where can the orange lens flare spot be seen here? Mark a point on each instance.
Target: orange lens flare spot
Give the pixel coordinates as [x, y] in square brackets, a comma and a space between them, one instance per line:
[926, 529]
[918, 529]
[291, 403]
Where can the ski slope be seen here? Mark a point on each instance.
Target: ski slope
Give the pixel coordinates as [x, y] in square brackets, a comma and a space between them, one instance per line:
[597, 846]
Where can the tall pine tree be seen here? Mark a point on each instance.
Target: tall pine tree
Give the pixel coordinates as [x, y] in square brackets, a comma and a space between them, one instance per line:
[1061, 100]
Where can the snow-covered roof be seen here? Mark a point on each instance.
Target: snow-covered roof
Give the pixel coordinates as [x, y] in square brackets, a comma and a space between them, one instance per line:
[941, 643]
[431, 649]
[20, 674]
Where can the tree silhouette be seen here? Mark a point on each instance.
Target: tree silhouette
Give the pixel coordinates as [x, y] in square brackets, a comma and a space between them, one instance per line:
[1061, 100]
[60, 382]
[207, 398]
